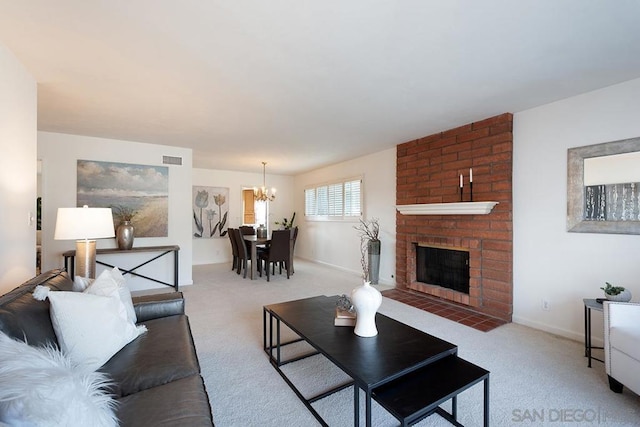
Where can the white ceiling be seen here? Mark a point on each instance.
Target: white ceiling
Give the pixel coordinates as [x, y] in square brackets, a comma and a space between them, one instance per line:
[305, 83]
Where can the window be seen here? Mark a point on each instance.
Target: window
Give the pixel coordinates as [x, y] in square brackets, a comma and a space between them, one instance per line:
[334, 201]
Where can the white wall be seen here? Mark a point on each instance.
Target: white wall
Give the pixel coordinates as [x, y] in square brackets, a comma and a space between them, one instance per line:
[18, 124]
[549, 262]
[337, 243]
[209, 251]
[59, 154]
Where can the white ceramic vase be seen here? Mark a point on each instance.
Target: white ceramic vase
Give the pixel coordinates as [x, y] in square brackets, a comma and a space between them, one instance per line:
[366, 300]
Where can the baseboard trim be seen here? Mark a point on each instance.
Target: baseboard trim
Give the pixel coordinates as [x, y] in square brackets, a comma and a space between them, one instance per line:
[347, 270]
[565, 333]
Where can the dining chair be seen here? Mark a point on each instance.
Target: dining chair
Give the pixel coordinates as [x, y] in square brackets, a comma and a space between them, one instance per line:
[293, 237]
[243, 253]
[277, 253]
[293, 247]
[234, 249]
[247, 230]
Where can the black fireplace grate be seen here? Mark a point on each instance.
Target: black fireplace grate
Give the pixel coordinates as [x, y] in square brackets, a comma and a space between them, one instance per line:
[448, 268]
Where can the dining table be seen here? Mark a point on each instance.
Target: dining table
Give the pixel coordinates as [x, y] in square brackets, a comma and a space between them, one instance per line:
[255, 241]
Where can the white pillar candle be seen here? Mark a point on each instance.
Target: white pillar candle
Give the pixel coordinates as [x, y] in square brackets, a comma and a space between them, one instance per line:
[470, 175]
[460, 180]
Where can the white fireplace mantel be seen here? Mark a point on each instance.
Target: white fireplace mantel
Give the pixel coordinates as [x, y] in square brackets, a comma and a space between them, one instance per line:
[461, 208]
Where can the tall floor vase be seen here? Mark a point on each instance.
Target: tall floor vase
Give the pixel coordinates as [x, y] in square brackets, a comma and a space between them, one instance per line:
[366, 300]
[373, 250]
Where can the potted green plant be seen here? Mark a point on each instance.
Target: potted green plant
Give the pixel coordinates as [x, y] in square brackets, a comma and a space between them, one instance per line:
[616, 293]
[287, 224]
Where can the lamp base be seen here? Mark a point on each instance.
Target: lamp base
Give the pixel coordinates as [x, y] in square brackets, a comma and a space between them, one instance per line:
[86, 258]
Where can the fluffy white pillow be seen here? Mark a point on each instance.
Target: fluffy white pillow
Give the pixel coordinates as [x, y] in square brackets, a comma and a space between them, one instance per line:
[111, 283]
[90, 328]
[41, 387]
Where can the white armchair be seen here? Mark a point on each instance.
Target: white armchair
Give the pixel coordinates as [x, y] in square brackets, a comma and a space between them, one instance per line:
[622, 345]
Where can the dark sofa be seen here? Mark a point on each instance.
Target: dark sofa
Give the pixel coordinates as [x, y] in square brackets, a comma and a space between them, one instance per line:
[157, 375]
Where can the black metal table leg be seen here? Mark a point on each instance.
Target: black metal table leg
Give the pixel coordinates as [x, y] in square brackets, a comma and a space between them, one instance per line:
[271, 336]
[278, 340]
[588, 334]
[264, 329]
[454, 407]
[486, 402]
[368, 407]
[175, 270]
[70, 265]
[356, 405]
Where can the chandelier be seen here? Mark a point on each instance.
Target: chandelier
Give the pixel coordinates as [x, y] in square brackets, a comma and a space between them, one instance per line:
[262, 194]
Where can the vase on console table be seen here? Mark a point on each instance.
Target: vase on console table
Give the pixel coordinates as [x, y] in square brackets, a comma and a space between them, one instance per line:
[366, 300]
[124, 235]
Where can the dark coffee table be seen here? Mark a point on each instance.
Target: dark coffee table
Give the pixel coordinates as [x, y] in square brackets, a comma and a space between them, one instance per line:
[397, 350]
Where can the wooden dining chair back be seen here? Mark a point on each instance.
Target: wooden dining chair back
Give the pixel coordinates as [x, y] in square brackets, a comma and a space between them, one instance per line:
[278, 252]
[247, 230]
[243, 254]
[294, 236]
[234, 248]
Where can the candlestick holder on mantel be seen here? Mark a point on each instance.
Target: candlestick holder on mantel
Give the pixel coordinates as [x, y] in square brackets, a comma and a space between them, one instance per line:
[459, 208]
[470, 193]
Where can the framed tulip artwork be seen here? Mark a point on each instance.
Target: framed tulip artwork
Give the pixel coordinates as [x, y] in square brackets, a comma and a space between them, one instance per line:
[210, 212]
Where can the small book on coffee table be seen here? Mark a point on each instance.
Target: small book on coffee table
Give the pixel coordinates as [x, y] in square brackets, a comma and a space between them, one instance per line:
[344, 318]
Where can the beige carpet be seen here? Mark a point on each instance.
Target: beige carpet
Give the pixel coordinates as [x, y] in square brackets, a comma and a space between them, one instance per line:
[536, 378]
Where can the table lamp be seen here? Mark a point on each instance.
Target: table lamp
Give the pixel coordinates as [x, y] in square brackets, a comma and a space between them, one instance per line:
[84, 225]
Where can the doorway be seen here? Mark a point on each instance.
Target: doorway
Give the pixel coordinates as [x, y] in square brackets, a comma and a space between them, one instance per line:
[39, 219]
[253, 212]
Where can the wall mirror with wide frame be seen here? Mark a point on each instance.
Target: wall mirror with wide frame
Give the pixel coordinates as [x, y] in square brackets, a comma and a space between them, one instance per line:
[603, 183]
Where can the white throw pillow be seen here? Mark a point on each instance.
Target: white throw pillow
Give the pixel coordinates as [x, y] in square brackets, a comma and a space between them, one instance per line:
[90, 328]
[111, 283]
[41, 387]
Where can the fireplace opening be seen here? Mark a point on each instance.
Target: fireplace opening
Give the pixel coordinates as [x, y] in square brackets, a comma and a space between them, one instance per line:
[448, 268]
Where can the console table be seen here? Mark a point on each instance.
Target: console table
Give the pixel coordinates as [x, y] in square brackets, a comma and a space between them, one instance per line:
[69, 261]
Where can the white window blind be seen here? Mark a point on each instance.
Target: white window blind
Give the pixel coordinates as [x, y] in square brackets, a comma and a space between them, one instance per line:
[334, 201]
[352, 198]
[310, 206]
[323, 200]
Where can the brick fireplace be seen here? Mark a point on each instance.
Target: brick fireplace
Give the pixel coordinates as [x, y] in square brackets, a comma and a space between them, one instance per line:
[428, 171]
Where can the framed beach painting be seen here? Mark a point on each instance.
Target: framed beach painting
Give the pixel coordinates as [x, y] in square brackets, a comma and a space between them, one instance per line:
[141, 190]
[210, 211]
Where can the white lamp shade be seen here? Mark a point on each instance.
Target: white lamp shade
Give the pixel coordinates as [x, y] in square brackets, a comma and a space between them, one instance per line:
[84, 223]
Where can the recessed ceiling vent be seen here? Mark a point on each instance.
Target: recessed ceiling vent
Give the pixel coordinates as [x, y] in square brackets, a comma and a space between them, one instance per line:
[171, 160]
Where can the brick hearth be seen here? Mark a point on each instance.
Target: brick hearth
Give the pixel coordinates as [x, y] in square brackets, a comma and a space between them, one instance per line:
[428, 171]
[448, 310]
